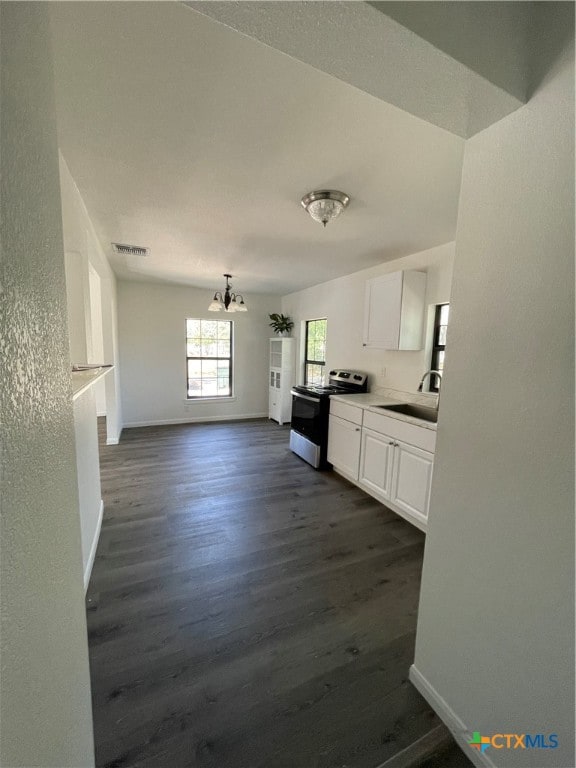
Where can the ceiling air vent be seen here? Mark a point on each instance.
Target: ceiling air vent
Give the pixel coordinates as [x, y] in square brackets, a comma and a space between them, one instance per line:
[130, 250]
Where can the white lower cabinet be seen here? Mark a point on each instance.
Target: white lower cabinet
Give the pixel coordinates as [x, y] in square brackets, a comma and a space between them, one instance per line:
[397, 474]
[412, 479]
[376, 461]
[393, 471]
[275, 405]
[344, 446]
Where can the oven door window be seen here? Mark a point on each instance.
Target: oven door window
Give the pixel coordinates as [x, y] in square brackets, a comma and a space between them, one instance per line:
[306, 418]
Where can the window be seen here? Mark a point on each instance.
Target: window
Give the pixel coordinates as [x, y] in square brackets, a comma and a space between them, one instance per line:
[439, 343]
[315, 357]
[209, 358]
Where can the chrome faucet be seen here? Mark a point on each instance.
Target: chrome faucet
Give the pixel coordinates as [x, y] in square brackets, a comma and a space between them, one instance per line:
[432, 372]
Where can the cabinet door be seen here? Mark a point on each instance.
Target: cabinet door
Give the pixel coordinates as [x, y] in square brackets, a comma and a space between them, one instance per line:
[394, 310]
[382, 311]
[273, 404]
[412, 478]
[376, 462]
[282, 353]
[344, 446]
[275, 353]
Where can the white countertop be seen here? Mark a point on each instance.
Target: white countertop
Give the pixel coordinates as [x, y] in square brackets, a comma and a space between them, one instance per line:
[370, 400]
[83, 380]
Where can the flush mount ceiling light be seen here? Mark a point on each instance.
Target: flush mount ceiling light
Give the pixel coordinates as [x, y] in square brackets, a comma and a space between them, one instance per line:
[325, 204]
[229, 302]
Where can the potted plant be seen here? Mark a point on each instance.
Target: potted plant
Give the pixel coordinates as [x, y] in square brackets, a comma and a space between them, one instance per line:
[281, 324]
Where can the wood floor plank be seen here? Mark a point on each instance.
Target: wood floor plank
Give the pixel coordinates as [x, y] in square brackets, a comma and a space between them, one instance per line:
[247, 611]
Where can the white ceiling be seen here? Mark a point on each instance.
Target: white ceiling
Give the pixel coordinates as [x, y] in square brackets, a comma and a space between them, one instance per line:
[459, 65]
[191, 139]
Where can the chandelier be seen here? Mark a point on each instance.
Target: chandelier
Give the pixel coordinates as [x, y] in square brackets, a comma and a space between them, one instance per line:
[325, 204]
[229, 302]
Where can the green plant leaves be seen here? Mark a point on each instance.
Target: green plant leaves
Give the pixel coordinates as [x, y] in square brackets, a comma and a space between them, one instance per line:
[280, 322]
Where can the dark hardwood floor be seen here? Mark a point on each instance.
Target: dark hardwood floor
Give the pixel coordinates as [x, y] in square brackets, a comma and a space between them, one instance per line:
[246, 611]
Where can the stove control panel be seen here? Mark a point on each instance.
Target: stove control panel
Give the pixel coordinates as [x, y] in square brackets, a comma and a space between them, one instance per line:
[357, 378]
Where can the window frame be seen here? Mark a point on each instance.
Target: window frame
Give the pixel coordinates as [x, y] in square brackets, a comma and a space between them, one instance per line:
[308, 362]
[434, 384]
[230, 393]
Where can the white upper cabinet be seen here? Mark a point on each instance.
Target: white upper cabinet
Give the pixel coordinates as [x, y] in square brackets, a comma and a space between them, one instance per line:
[394, 311]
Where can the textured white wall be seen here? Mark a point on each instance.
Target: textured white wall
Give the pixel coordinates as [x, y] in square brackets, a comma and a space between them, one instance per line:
[45, 708]
[496, 622]
[341, 301]
[153, 353]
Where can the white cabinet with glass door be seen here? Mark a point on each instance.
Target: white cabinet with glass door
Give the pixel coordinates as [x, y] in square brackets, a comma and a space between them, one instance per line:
[281, 379]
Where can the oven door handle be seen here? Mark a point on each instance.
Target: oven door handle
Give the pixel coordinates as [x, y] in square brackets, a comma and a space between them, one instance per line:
[305, 397]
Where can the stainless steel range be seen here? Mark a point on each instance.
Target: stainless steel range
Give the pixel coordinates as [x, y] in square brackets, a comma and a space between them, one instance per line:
[310, 410]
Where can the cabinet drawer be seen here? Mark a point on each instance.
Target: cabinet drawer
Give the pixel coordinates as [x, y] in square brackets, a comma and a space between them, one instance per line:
[344, 411]
[402, 430]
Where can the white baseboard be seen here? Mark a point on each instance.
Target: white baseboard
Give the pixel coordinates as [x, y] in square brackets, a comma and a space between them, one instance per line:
[93, 548]
[460, 731]
[195, 419]
[100, 413]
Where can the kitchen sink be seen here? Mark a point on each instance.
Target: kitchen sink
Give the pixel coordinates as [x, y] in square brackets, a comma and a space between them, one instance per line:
[417, 411]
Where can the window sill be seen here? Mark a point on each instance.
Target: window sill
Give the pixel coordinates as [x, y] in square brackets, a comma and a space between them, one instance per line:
[194, 400]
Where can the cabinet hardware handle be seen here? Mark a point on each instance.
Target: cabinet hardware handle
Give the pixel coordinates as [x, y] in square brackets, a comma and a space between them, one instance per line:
[357, 429]
[391, 442]
[363, 345]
